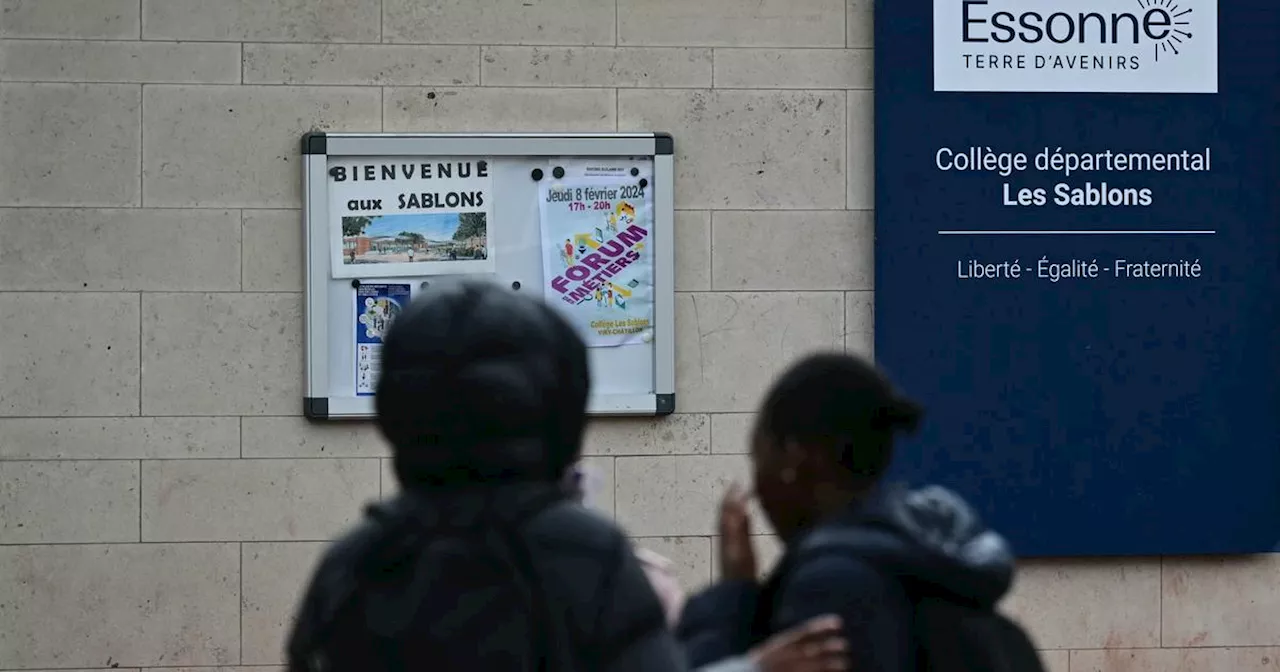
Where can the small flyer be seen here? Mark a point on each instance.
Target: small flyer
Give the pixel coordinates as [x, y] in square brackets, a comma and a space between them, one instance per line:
[406, 217]
[598, 256]
[613, 168]
[377, 306]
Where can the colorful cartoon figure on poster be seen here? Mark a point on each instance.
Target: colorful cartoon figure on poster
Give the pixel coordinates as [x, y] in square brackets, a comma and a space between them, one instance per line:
[626, 215]
[622, 215]
[567, 255]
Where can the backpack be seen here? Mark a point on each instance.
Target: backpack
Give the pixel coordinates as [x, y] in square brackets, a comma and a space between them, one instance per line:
[429, 593]
[949, 635]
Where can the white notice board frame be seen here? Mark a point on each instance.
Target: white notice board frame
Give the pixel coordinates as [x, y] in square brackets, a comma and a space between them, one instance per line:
[329, 393]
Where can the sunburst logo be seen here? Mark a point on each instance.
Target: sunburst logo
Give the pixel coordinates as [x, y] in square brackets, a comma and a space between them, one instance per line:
[1178, 20]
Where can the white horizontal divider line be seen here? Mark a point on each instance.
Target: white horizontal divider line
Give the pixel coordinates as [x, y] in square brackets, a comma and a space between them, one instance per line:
[1153, 232]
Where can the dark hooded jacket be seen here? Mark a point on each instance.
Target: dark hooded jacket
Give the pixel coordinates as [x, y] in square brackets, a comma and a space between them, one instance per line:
[482, 396]
[912, 544]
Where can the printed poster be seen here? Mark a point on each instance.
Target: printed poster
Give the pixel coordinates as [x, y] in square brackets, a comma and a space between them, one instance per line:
[408, 217]
[377, 306]
[598, 257]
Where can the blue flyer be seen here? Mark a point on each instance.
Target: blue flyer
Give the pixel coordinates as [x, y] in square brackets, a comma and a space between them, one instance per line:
[377, 306]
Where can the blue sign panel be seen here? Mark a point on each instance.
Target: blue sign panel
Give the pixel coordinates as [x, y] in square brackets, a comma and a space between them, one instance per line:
[1078, 265]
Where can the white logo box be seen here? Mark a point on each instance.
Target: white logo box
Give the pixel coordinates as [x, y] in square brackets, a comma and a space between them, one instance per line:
[1076, 46]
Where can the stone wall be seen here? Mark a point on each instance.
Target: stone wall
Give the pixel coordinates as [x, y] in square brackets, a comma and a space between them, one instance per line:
[160, 497]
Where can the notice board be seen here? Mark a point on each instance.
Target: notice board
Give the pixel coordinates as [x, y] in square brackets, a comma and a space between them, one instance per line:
[583, 221]
[1078, 265]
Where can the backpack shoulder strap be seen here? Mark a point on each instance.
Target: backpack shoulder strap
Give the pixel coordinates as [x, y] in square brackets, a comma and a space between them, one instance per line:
[552, 651]
[614, 599]
[595, 601]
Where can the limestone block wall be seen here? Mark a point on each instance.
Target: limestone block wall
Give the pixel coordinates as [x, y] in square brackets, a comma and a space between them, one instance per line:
[161, 500]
